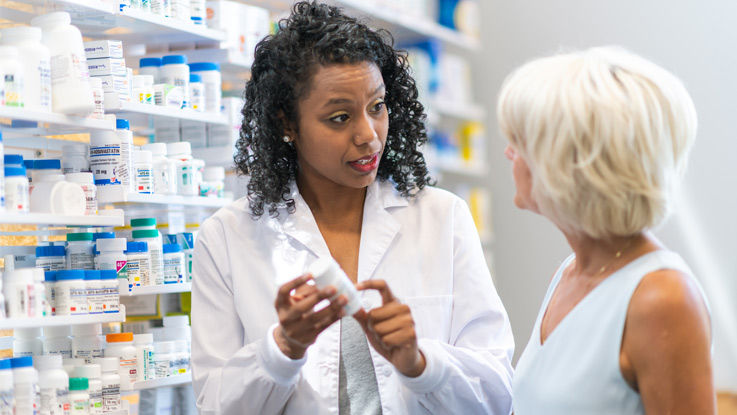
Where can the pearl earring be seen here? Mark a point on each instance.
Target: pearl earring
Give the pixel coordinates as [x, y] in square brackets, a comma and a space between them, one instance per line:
[286, 139]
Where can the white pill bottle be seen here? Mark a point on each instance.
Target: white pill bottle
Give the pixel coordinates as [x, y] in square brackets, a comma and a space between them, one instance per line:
[327, 272]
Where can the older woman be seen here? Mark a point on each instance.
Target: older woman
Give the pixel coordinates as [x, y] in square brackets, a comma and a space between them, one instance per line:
[598, 141]
[330, 139]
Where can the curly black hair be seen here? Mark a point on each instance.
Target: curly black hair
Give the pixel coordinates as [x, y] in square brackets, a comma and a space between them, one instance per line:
[317, 34]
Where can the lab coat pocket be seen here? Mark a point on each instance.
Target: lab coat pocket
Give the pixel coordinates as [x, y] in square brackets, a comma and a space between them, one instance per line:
[432, 316]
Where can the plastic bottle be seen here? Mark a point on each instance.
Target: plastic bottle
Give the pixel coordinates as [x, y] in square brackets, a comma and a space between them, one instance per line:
[173, 264]
[52, 194]
[41, 304]
[16, 189]
[50, 288]
[138, 224]
[196, 93]
[164, 170]
[12, 71]
[25, 385]
[177, 328]
[213, 183]
[79, 396]
[110, 383]
[161, 7]
[70, 79]
[98, 96]
[53, 384]
[70, 364]
[198, 11]
[87, 182]
[111, 291]
[7, 398]
[74, 158]
[213, 83]
[27, 342]
[181, 152]
[199, 174]
[93, 283]
[45, 167]
[50, 258]
[17, 284]
[36, 61]
[120, 345]
[174, 71]
[181, 353]
[146, 366]
[155, 249]
[110, 156]
[150, 66]
[87, 342]
[139, 264]
[71, 293]
[57, 341]
[143, 171]
[112, 256]
[164, 359]
[80, 251]
[93, 374]
[327, 272]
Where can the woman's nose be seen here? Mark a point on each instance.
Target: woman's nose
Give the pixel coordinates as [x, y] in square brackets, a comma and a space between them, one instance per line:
[365, 132]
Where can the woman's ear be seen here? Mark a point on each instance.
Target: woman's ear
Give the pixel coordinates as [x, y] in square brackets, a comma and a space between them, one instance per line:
[290, 130]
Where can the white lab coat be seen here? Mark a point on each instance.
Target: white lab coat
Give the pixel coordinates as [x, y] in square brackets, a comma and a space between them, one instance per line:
[428, 251]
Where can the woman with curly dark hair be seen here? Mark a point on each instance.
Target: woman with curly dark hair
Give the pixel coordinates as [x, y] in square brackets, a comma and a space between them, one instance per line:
[330, 142]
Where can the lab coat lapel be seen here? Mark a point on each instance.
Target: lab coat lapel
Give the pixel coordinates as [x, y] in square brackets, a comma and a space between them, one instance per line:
[379, 227]
[302, 227]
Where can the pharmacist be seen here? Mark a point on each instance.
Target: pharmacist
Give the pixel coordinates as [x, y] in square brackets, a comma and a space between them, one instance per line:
[330, 139]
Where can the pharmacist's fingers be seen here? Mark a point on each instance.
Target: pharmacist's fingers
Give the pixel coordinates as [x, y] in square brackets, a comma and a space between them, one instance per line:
[398, 322]
[283, 296]
[328, 319]
[335, 308]
[306, 305]
[303, 291]
[381, 286]
[388, 312]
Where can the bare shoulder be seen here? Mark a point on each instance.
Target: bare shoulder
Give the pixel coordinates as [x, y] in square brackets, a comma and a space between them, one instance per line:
[665, 297]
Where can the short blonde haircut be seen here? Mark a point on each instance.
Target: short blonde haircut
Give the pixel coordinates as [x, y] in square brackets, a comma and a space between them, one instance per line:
[606, 135]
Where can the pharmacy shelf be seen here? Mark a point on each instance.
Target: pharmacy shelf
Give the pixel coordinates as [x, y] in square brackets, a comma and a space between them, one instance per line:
[103, 20]
[406, 26]
[154, 289]
[31, 122]
[59, 220]
[216, 156]
[113, 195]
[458, 111]
[55, 321]
[143, 115]
[177, 380]
[460, 169]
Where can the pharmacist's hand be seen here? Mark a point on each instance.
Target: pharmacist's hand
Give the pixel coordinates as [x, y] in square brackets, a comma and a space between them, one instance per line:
[391, 330]
[299, 324]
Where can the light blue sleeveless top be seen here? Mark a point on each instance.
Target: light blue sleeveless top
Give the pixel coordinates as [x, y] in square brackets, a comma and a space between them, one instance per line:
[576, 371]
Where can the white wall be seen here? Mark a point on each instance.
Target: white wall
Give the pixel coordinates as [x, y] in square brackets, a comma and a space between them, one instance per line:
[697, 40]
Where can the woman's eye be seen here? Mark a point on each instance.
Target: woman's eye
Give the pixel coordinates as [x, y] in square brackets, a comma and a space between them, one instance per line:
[379, 106]
[341, 118]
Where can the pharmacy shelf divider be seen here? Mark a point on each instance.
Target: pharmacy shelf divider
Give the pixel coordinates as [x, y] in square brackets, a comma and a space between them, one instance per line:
[125, 291]
[142, 115]
[113, 195]
[232, 65]
[55, 321]
[31, 122]
[163, 382]
[104, 20]
[460, 111]
[59, 220]
[406, 26]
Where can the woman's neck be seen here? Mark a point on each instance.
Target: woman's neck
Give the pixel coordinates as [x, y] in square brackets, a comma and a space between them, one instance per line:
[329, 199]
[599, 257]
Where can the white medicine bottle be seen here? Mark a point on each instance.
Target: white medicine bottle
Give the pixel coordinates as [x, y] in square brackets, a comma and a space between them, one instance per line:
[53, 383]
[164, 169]
[93, 374]
[36, 61]
[57, 341]
[174, 71]
[25, 385]
[79, 396]
[110, 383]
[70, 78]
[6, 387]
[181, 152]
[11, 70]
[87, 342]
[143, 168]
[120, 345]
[27, 342]
[327, 272]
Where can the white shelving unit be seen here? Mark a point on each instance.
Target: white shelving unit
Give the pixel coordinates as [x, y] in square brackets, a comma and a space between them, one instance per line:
[177, 380]
[125, 291]
[58, 220]
[232, 64]
[31, 122]
[115, 195]
[56, 321]
[144, 115]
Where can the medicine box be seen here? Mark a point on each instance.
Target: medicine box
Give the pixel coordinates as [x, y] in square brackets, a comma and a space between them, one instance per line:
[99, 49]
[118, 84]
[107, 66]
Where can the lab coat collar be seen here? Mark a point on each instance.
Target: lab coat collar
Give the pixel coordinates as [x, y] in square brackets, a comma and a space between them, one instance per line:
[378, 230]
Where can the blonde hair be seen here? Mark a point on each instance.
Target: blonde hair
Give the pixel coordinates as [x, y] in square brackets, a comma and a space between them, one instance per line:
[606, 135]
